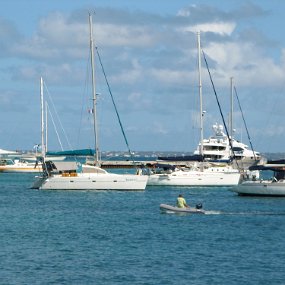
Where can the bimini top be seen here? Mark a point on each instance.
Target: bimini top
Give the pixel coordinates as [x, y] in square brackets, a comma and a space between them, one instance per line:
[77, 152]
[273, 165]
[195, 157]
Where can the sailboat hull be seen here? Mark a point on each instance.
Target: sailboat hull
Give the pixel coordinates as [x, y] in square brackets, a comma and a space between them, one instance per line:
[18, 169]
[195, 178]
[16, 165]
[260, 188]
[92, 182]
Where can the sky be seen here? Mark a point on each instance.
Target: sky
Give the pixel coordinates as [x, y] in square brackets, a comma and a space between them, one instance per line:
[149, 53]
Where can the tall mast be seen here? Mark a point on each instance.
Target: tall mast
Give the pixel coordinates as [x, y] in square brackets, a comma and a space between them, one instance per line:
[232, 109]
[46, 119]
[200, 95]
[94, 91]
[42, 119]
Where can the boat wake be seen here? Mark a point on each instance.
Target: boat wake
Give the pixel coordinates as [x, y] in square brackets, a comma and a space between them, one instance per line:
[231, 213]
[255, 213]
[213, 212]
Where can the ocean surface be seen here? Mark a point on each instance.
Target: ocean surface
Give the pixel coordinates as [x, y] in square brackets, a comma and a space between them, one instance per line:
[92, 237]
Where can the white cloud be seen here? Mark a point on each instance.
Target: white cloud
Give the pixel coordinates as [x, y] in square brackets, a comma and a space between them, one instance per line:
[283, 57]
[245, 62]
[130, 75]
[139, 102]
[170, 76]
[135, 97]
[221, 28]
[58, 37]
[59, 73]
[151, 62]
[186, 12]
[57, 29]
[123, 35]
[158, 128]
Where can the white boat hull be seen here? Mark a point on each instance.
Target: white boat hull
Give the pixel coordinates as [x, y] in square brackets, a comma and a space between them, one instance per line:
[260, 188]
[16, 169]
[167, 208]
[83, 181]
[19, 165]
[195, 178]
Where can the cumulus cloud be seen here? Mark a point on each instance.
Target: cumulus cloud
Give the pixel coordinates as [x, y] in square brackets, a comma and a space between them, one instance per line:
[170, 76]
[124, 35]
[221, 28]
[130, 75]
[150, 59]
[245, 62]
[158, 128]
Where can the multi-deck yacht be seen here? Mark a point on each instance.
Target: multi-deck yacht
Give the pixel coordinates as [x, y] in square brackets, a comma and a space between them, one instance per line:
[217, 149]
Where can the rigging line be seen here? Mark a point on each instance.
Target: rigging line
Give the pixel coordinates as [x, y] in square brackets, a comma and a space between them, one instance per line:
[113, 101]
[51, 116]
[220, 109]
[57, 117]
[244, 123]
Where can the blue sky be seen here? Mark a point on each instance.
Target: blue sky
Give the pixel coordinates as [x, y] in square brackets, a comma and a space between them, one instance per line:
[149, 53]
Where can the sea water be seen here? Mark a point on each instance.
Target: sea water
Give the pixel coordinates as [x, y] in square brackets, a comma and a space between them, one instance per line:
[104, 237]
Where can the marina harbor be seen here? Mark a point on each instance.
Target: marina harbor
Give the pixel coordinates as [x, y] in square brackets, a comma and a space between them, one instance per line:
[142, 142]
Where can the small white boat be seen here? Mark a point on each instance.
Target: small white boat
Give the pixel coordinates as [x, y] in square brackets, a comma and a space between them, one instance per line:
[172, 209]
[270, 187]
[8, 152]
[19, 165]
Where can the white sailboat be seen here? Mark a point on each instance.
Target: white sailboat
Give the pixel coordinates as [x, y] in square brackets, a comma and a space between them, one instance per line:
[274, 186]
[9, 165]
[199, 174]
[210, 176]
[4, 152]
[75, 176]
[17, 162]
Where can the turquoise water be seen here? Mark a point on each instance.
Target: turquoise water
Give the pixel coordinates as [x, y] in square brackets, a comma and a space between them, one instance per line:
[70, 237]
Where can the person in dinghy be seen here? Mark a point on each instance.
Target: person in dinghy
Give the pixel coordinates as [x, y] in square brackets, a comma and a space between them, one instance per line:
[181, 207]
[181, 202]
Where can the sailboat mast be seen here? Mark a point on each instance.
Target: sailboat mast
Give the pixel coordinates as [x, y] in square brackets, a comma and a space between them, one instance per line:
[42, 119]
[46, 132]
[232, 109]
[94, 91]
[200, 95]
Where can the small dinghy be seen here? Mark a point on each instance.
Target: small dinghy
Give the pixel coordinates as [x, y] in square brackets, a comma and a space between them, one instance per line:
[191, 210]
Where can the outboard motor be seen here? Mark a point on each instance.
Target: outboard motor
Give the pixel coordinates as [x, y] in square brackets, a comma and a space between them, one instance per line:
[199, 206]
